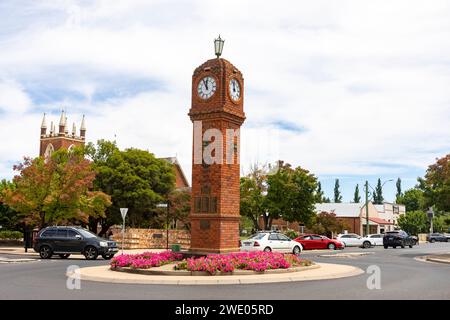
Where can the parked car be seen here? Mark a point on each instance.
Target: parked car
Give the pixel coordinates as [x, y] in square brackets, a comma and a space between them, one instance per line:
[436, 237]
[271, 241]
[350, 239]
[65, 241]
[398, 238]
[315, 241]
[373, 240]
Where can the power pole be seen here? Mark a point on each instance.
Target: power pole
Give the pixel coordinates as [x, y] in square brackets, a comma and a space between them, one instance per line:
[367, 208]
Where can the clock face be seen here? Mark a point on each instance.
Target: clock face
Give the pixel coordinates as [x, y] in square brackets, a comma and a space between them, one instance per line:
[235, 89]
[206, 87]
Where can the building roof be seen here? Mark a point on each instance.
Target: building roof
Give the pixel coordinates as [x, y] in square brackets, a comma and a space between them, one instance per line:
[380, 221]
[174, 161]
[340, 209]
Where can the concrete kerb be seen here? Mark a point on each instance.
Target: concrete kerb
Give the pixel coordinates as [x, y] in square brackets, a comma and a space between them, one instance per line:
[321, 271]
[433, 259]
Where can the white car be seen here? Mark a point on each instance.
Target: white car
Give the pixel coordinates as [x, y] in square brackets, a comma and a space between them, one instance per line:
[271, 241]
[354, 240]
[373, 240]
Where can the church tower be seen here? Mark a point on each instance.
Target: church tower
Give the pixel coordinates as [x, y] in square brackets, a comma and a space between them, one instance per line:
[217, 114]
[52, 140]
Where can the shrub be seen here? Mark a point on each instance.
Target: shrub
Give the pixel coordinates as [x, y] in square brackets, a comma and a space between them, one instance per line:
[11, 235]
[144, 260]
[291, 234]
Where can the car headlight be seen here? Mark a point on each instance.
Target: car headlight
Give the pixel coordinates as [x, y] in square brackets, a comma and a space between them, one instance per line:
[103, 244]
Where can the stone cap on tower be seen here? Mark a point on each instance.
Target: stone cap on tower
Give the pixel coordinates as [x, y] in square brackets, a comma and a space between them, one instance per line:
[63, 128]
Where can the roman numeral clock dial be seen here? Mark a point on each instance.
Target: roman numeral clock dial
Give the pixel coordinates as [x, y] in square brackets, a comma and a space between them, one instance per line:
[206, 87]
[235, 90]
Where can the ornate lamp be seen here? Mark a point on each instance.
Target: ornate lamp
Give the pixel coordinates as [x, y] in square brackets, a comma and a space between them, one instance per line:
[218, 46]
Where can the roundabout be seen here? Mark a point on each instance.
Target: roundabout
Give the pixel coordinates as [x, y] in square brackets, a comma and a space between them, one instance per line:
[318, 271]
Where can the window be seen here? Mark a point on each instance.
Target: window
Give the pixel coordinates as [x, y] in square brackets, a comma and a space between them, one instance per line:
[345, 236]
[273, 237]
[258, 236]
[87, 234]
[61, 233]
[49, 233]
[316, 237]
[71, 234]
[282, 237]
[306, 238]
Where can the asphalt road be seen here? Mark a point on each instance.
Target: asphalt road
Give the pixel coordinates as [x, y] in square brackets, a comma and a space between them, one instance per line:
[402, 277]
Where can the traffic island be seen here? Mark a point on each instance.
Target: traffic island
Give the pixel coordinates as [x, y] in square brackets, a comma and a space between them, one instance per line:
[319, 271]
[437, 258]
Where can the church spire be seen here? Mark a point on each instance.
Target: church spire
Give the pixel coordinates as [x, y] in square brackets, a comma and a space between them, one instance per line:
[83, 128]
[44, 126]
[62, 122]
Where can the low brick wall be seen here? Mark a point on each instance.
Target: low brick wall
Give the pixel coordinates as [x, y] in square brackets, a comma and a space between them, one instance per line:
[151, 238]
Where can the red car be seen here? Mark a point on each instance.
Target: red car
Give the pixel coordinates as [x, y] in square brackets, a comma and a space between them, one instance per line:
[315, 241]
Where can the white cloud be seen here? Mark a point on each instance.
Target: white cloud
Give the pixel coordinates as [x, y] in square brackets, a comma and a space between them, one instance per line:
[367, 81]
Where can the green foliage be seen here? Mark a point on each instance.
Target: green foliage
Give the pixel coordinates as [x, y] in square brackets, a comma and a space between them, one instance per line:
[252, 190]
[134, 179]
[326, 223]
[11, 235]
[414, 222]
[291, 234]
[356, 196]
[55, 191]
[320, 196]
[9, 218]
[413, 199]
[398, 185]
[441, 223]
[337, 193]
[290, 195]
[436, 185]
[378, 193]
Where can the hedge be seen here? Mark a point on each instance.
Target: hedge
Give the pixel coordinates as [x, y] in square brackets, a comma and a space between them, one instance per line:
[11, 235]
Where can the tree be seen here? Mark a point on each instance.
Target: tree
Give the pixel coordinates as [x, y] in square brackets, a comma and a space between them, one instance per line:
[180, 207]
[414, 222]
[378, 193]
[326, 223]
[290, 195]
[337, 193]
[398, 185]
[9, 220]
[356, 196]
[441, 223]
[320, 197]
[57, 190]
[436, 185]
[134, 179]
[413, 200]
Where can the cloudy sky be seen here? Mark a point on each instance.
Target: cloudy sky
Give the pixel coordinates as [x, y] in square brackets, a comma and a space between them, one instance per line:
[352, 90]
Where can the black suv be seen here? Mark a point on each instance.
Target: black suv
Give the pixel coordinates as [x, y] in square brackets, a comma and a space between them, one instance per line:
[398, 238]
[64, 241]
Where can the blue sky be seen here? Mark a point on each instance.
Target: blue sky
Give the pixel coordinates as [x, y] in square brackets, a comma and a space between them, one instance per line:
[353, 90]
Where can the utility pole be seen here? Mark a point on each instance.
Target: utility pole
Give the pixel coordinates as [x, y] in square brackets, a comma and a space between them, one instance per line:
[367, 208]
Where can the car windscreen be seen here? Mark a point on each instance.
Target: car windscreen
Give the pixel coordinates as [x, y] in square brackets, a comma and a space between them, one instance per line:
[258, 236]
[86, 234]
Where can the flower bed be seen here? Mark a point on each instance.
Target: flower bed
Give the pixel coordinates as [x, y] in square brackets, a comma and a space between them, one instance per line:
[254, 261]
[145, 260]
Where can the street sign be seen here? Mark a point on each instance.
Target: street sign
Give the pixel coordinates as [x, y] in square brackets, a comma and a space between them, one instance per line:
[430, 213]
[123, 212]
[161, 205]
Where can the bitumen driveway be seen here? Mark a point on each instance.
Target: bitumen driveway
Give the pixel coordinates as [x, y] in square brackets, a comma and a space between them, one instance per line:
[401, 277]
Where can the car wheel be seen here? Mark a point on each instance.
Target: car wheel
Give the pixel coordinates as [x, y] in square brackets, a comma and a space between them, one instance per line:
[267, 249]
[386, 247]
[366, 244]
[331, 246]
[296, 250]
[410, 245]
[45, 252]
[432, 240]
[64, 256]
[91, 253]
[395, 247]
[402, 245]
[107, 256]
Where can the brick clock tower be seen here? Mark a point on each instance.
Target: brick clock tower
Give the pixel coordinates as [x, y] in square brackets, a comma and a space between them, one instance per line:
[217, 114]
[55, 140]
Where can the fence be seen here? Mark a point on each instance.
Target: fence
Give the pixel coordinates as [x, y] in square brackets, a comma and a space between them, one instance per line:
[151, 238]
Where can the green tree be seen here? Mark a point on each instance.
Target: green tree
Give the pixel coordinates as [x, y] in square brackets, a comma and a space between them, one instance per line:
[320, 197]
[9, 220]
[398, 185]
[356, 196]
[180, 207]
[378, 193]
[56, 190]
[436, 185]
[326, 223]
[441, 223]
[413, 199]
[414, 222]
[134, 179]
[337, 193]
[290, 195]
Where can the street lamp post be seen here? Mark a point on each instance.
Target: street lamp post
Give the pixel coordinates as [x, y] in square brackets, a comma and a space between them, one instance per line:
[166, 205]
[430, 214]
[218, 46]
